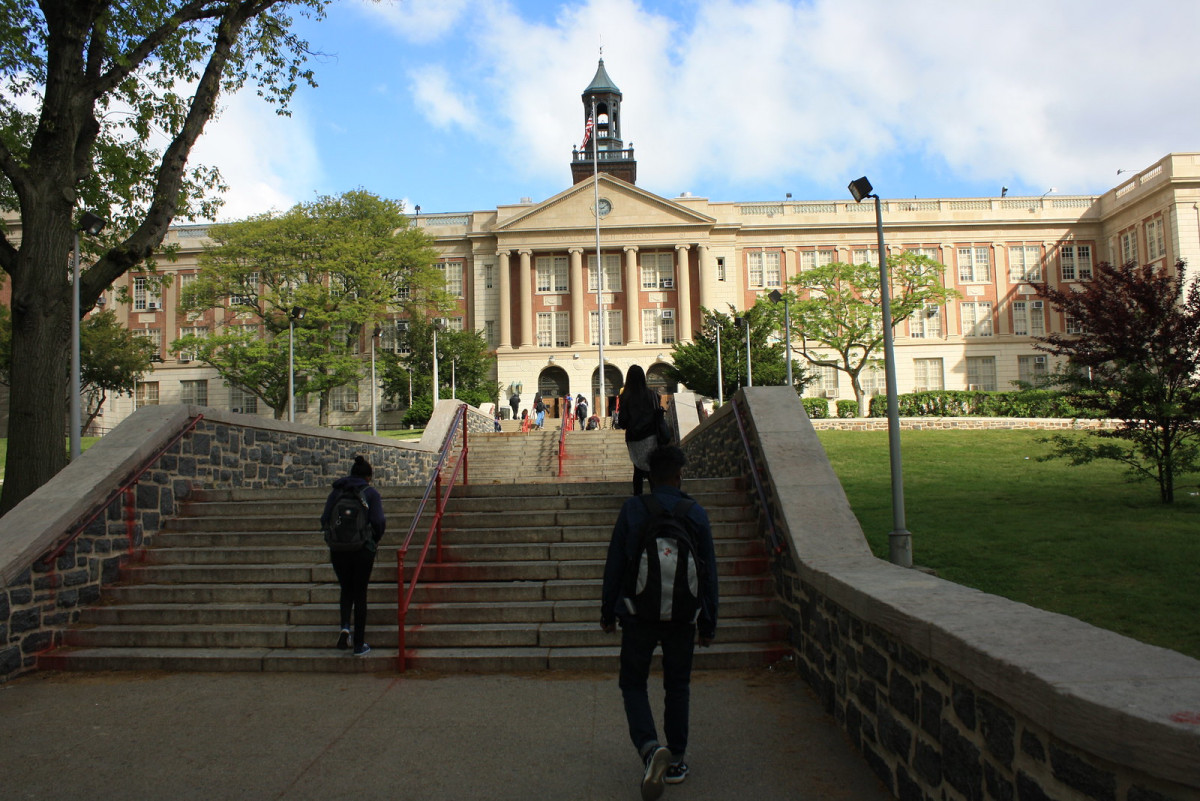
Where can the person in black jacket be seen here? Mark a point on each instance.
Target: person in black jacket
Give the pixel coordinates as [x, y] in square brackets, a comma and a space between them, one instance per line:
[638, 415]
[353, 568]
[639, 637]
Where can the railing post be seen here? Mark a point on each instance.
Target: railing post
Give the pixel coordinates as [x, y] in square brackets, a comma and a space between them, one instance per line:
[401, 609]
[438, 514]
[466, 461]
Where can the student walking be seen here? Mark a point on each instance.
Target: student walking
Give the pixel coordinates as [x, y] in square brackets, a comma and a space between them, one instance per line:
[353, 523]
[581, 410]
[638, 415]
[514, 402]
[635, 595]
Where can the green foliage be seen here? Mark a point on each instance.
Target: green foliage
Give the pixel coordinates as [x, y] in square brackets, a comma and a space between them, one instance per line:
[837, 309]
[421, 410]
[695, 363]
[816, 408]
[959, 403]
[461, 354]
[847, 409]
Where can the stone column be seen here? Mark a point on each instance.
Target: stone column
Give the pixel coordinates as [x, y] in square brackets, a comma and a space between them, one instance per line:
[578, 290]
[707, 276]
[526, 299]
[790, 267]
[505, 301]
[633, 293]
[683, 286]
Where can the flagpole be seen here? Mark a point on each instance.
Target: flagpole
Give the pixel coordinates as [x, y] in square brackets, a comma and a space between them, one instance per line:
[600, 326]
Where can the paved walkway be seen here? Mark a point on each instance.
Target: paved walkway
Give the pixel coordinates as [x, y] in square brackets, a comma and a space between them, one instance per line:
[755, 734]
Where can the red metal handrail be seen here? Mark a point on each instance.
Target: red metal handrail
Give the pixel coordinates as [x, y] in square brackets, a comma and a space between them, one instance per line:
[403, 599]
[562, 442]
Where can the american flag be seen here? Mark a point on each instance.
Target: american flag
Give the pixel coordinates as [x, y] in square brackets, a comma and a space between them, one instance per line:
[587, 133]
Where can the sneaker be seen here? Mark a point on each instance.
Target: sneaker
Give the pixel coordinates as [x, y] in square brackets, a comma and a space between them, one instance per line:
[343, 639]
[362, 649]
[676, 773]
[656, 766]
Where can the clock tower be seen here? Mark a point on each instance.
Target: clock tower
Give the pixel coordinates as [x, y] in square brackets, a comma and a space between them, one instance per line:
[604, 133]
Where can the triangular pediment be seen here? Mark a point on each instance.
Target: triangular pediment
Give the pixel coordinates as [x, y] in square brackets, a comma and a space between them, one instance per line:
[628, 206]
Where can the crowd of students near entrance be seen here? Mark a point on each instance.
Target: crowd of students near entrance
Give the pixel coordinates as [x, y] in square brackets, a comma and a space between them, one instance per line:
[660, 574]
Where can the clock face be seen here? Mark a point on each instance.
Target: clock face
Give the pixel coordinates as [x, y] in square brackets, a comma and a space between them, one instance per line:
[605, 206]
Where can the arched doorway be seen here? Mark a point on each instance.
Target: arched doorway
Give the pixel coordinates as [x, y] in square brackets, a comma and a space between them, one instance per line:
[658, 379]
[554, 385]
[613, 381]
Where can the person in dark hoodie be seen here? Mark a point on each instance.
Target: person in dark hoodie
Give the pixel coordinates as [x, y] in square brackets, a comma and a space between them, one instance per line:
[353, 568]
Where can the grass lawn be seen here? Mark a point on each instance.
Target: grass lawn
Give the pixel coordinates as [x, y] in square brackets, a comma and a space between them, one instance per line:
[1077, 540]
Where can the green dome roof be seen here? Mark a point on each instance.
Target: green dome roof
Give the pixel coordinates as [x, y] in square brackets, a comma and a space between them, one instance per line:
[602, 83]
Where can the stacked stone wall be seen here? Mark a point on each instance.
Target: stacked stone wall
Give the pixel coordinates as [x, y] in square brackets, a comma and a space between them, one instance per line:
[39, 600]
[949, 693]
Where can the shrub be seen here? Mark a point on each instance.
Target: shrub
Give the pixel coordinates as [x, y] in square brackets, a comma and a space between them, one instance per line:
[816, 408]
[957, 403]
[847, 408]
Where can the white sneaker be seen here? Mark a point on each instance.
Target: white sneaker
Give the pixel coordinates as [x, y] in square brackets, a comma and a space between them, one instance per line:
[657, 763]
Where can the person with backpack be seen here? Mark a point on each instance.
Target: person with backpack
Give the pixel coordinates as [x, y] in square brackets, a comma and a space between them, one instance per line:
[639, 415]
[539, 408]
[660, 584]
[353, 523]
[581, 410]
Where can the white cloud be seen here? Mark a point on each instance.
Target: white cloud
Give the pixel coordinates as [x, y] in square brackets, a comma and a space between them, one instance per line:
[438, 101]
[418, 20]
[268, 161]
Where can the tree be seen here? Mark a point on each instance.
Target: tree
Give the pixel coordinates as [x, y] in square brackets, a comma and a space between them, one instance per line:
[467, 351]
[101, 106]
[1137, 360]
[348, 260]
[838, 306]
[695, 363]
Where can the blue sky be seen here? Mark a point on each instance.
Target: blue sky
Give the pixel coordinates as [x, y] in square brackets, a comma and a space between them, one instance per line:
[461, 105]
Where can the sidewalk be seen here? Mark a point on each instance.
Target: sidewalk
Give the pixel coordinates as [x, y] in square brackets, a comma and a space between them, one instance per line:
[755, 734]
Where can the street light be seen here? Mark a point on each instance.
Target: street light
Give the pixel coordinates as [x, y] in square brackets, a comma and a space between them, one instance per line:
[297, 313]
[91, 225]
[775, 297]
[720, 375]
[374, 414]
[746, 322]
[438, 325]
[899, 540]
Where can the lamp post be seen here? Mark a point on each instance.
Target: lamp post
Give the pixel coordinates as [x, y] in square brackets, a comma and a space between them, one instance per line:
[746, 322]
[776, 296]
[437, 326]
[374, 387]
[91, 225]
[899, 540]
[720, 375]
[297, 313]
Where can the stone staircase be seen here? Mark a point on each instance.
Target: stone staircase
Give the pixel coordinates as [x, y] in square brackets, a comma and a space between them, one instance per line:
[240, 580]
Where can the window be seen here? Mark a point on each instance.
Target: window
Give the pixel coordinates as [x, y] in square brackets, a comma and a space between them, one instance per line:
[612, 273]
[344, 398]
[194, 392]
[147, 394]
[927, 375]
[553, 329]
[873, 380]
[1155, 247]
[1024, 263]
[612, 333]
[720, 268]
[453, 323]
[154, 335]
[658, 326]
[1129, 250]
[825, 380]
[394, 337]
[1075, 262]
[146, 297]
[762, 269]
[489, 333]
[488, 272]
[552, 272]
[976, 319]
[867, 256]
[242, 401]
[754, 269]
[658, 271]
[981, 373]
[185, 282]
[974, 265]
[1032, 370]
[1074, 326]
[816, 258]
[190, 331]
[926, 323]
[1029, 318]
[453, 272]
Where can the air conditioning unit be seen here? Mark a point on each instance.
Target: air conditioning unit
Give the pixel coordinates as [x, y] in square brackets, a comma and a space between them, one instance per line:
[975, 388]
[350, 406]
[829, 393]
[666, 283]
[241, 300]
[1039, 359]
[152, 306]
[387, 406]
[184, 358]
[668, 314]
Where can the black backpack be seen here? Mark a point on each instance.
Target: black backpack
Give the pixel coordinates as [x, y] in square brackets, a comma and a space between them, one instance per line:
[349, 526]
[665, 579]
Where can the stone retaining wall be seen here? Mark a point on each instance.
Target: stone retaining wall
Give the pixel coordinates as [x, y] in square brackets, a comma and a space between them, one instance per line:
[38, 601]
[950, 693]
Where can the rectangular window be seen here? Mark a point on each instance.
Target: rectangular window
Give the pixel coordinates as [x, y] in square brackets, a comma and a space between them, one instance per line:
[926, 323]
[612, 273]
[453, 323]
[981, 373]
[453, 272]
[658, 326]
[927, 375]
[185, 282]
[720, 268]
[1024, 263]
[1029, 318]
[553, 329]
[1129, 248]
[154, 335]
[1032, 370]
[658, 271]
[976, 319]
[816, 258]
[147, 393]
[194, 392]
[394, 336]
[242, 401]
[190, 331]
[146, 297]
[612, 333]
[552, 273]
[974, 265]
[772, 276]
[300, 402]
[488, 271]
[825, 381]
[754, 269]
[873, 380]
[1155, 246]
[1074, 326]
[1075, 262]
[865, 256]
[344, 398]
[489, 333]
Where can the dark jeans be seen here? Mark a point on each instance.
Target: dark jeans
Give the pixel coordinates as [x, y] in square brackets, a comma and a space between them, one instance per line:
[638, 640]
[639, 477]
[353, 569]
